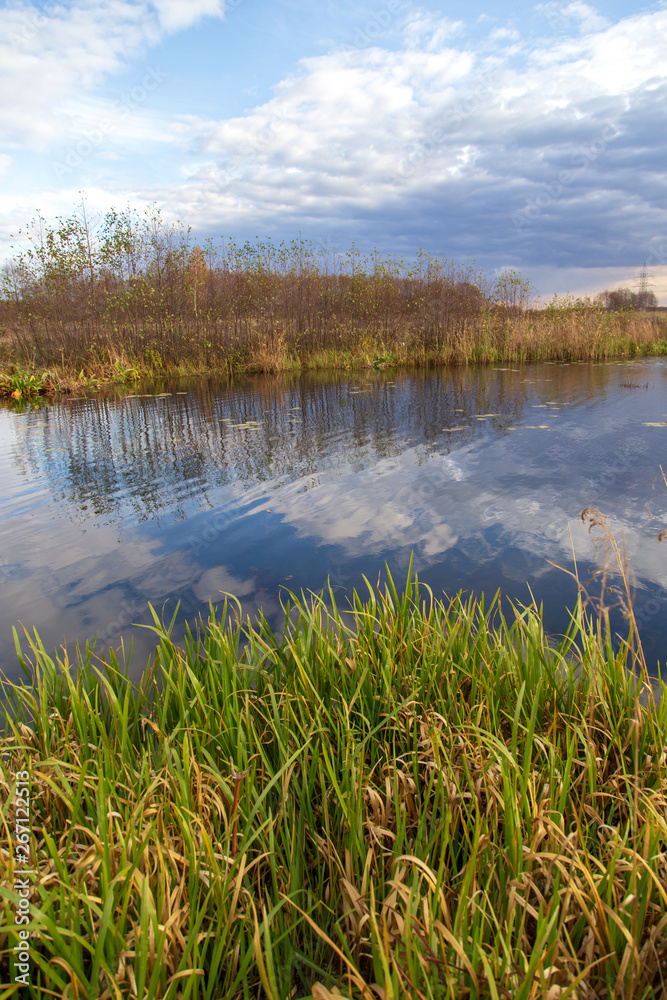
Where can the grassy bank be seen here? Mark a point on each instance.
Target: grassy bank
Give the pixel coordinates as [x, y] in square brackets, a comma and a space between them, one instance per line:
[130, 297]
[420, 799]
[564, 333]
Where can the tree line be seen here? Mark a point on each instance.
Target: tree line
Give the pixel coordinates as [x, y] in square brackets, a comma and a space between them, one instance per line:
[624, 299]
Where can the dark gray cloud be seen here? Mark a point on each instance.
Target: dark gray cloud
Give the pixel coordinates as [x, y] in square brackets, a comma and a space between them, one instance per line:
[537, 154]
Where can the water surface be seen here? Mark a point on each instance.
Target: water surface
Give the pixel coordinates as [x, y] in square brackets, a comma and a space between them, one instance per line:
[113, 503]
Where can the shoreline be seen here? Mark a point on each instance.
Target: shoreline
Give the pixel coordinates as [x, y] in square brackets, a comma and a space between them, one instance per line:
[144, 300]
[519, 342]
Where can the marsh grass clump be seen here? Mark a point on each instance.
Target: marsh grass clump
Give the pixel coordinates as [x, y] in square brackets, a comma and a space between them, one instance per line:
[412, 797]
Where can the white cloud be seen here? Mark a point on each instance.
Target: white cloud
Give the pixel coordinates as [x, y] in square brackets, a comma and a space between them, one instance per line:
[504, 34]
[428, 33]
[354, 522]
[552, 157]
[365, 511]
[587, 16]
[175, 15]
[434, 138]
[47, 58]
[572, 15]
[614, 60]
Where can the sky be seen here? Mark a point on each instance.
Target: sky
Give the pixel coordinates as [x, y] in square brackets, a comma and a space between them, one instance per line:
[523, 135]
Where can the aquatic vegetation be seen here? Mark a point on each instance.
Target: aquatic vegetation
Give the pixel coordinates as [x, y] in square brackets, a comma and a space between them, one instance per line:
[145, 301]
[23, 385]
[125, 372]
[407, 797]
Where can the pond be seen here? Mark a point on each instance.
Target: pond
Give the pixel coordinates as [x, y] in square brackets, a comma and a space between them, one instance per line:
[136, 498]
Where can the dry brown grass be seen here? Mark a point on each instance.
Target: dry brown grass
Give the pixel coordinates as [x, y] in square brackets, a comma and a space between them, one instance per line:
[145, 299]
[425, 801]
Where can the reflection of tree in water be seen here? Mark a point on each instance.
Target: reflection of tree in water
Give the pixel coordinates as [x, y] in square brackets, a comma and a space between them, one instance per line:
[161, 454]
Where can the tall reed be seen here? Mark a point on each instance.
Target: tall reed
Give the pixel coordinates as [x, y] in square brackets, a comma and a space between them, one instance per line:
[410, 797]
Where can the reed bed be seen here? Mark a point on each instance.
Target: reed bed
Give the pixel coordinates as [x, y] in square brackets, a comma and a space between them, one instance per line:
[63, 360]
[88, 302]
[410, 797]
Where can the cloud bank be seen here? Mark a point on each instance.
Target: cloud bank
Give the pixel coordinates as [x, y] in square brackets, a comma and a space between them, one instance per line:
[525, 151]
[541, 152]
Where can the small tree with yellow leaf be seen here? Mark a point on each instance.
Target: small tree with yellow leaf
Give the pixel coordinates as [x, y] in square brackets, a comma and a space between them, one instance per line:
[198, 274]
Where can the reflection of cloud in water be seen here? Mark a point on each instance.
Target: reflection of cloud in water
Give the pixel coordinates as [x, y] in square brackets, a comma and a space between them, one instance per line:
[215, 582]
[352, 521]
[371, 508]
[521, 565]
[449, 504]
[438, 540]
[366, 479]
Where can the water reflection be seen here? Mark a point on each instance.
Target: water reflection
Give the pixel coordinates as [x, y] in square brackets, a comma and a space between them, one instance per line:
[111, 503]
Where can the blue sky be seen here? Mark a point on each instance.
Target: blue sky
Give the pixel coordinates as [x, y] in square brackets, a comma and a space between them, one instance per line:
[523, 135]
